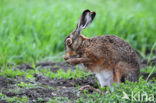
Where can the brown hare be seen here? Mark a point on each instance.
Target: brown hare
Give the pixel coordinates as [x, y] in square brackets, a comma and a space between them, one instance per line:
[112, 59]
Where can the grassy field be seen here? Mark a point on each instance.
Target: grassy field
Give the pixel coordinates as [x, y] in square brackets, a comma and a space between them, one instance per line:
[34, 30]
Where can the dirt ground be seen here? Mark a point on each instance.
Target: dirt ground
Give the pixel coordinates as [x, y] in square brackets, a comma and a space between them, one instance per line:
[49, 88]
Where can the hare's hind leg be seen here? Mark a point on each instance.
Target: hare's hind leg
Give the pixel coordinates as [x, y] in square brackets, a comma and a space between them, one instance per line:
[118, 72]
[133, 75]
[124, 71]
[127, 72]
[117, 76]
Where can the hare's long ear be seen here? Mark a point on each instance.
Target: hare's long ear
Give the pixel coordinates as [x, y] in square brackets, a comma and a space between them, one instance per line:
[86, 18]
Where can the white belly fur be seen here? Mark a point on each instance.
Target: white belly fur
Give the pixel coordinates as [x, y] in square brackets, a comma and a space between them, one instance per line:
[105, 78]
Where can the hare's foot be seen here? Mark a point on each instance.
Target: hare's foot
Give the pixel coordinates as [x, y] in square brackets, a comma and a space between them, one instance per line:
[89, 88]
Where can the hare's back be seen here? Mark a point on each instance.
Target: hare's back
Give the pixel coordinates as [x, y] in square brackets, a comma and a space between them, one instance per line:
[113, 47]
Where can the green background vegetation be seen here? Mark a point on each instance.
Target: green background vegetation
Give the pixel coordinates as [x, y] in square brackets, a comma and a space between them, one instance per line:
[34, 30]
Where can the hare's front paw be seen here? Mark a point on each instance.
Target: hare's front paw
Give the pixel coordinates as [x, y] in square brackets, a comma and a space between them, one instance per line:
[72, 61]
[69, 60]
[78, 60]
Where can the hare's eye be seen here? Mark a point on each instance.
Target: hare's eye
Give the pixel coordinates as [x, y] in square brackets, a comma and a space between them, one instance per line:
[68, 41]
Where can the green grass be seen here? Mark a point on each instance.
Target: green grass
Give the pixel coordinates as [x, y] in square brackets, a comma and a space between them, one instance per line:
[33, 31]
[77, 73]
[141, 88]
[13, 99]
[29, 74]
[12, 73]
[25, 85]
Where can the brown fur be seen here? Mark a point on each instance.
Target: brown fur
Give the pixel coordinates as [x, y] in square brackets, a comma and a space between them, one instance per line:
[107, 52]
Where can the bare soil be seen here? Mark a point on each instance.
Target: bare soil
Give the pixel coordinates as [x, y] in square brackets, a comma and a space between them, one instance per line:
[49, 88]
